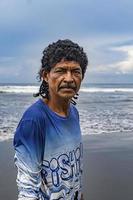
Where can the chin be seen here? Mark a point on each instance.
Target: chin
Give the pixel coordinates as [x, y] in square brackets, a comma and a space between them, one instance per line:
[67, 96]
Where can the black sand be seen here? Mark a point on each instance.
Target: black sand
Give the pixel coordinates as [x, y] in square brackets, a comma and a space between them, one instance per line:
[8, 190]
[108, 168]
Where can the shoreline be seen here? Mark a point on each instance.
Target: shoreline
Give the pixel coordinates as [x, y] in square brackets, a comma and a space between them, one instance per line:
[108, 173]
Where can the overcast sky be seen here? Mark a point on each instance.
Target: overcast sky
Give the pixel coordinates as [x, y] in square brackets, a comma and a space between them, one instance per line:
[103, 27]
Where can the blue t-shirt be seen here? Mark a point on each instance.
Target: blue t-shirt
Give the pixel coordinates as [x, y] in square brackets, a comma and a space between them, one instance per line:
[48, 154]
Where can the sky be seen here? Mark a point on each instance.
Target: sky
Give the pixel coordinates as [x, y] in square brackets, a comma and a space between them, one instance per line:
[103, 28]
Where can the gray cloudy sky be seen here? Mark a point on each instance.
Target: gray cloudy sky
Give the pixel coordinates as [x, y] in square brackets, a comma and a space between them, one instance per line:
[103, 27]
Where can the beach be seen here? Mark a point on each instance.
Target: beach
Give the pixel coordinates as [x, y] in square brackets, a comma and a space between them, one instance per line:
[8, 188]
[108, 172]
[106, 119]
[108, 163]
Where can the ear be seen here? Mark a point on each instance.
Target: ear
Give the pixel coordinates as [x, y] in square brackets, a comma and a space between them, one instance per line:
[45, 76]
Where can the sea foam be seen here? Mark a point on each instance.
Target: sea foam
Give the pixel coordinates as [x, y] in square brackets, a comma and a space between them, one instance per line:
[33, 89]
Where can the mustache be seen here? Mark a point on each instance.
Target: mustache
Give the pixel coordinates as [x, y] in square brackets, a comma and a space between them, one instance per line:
[68, 86]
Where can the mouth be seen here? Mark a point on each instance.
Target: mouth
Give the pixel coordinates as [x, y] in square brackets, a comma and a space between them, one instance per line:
[68, 89]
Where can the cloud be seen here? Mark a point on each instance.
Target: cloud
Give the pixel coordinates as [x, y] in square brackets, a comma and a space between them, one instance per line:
[115, 58]
[126, 65]
[28, 26]
[22, 69]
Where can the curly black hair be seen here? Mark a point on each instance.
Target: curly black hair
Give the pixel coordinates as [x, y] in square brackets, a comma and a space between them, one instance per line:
[54, 53]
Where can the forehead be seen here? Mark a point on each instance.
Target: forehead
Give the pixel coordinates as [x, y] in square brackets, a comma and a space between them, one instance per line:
[69, 64]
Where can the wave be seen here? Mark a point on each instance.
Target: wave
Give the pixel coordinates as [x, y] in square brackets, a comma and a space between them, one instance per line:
[19, 89]
[93, 90]
[33, 89]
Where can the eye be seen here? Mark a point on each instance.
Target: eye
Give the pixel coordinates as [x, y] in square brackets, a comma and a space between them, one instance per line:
[77, 71]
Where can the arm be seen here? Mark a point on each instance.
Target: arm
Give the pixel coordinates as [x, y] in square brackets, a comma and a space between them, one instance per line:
[29, 144]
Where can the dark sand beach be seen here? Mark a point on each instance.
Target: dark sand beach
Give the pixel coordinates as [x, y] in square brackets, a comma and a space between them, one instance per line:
[8, 190]
[108, 168]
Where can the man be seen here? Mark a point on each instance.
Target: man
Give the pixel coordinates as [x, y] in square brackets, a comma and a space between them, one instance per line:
[47, 141]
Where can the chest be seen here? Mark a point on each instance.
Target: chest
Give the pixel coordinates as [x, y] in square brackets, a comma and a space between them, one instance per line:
[61, 137]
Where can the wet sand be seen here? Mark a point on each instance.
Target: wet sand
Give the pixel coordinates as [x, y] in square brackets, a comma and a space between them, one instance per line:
[8, 190]
[108, 168]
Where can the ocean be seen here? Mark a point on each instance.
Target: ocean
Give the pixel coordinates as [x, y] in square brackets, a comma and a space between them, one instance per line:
[103, 108]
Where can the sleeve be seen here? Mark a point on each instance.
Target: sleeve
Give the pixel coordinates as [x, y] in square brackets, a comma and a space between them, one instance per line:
[29, 145]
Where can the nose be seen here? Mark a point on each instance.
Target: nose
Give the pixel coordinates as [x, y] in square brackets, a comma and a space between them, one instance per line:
[68, 77]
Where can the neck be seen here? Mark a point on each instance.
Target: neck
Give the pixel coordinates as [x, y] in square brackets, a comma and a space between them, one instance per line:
[60, 107]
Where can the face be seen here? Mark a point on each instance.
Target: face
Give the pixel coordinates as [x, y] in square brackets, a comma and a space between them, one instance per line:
[64, 79]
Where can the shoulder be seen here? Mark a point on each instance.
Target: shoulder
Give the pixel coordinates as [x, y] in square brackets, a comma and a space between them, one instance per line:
[35, 112]
[74, 111]
[73, 107]
[32, 121]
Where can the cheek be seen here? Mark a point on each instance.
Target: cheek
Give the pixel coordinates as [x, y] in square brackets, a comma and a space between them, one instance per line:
[54, 83]
[78, 80]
